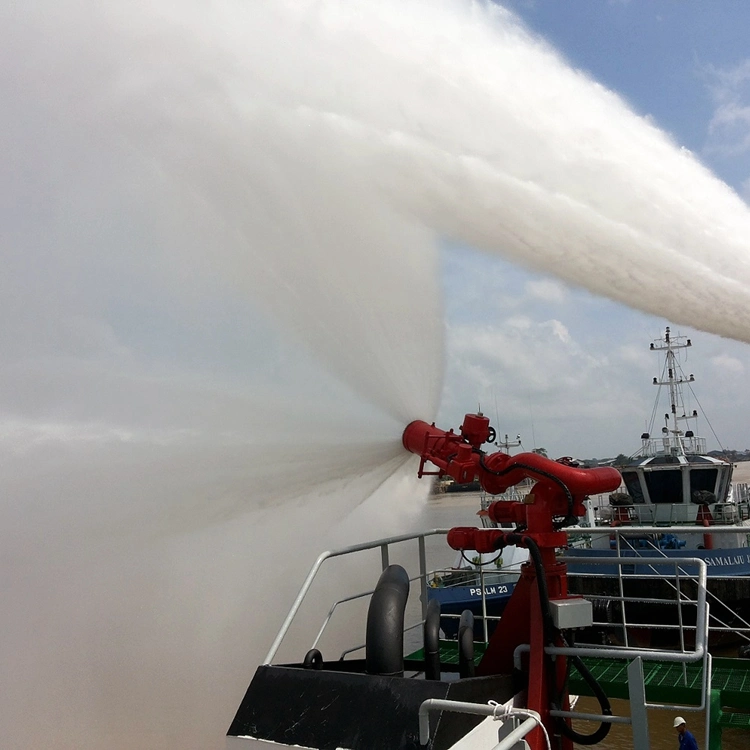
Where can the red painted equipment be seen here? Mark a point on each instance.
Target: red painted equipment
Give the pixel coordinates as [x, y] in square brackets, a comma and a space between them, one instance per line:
[555, 501]
[705, 518]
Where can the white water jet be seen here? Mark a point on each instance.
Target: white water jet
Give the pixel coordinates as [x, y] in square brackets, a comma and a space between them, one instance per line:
[163, 160]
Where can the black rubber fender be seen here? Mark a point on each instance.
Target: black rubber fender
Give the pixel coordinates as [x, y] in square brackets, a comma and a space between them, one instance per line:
[384, 640]
[466, 644]
[313, 659]
[431, 630]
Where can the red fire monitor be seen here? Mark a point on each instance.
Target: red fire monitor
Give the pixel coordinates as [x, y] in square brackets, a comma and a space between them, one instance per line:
[540, 606]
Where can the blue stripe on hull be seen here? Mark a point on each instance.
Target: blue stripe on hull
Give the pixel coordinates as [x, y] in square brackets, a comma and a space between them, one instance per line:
[719, 562]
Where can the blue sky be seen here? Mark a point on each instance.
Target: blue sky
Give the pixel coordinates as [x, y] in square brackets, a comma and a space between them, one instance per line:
[676, 62]
[685, 67]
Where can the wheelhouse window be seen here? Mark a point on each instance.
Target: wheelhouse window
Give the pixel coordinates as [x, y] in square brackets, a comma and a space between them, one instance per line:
[664, 486]
[633, 484]
[703, 479]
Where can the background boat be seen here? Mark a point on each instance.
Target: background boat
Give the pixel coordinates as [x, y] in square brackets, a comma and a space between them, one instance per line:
[674, 498]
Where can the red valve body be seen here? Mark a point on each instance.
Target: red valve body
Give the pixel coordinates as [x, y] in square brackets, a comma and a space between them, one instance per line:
[458, 456]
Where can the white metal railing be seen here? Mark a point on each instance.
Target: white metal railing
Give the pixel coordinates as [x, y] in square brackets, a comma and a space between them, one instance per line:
[424, 575]
[715, 625]
[671, 514]
[650, 530]
[739, 630]
[636, 656]
[384, 545]
[701, 625]
[531, 719]
[668, 446]
[679, 565]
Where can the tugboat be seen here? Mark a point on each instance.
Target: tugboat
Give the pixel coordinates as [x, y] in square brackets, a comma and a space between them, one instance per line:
[672, 473]
[674, 496]
[513, 692]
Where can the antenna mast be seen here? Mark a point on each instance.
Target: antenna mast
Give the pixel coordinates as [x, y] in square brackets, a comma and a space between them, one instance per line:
[674, 441]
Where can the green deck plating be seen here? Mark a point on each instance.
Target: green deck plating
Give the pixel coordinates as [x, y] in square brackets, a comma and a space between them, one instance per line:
[665, 683]
[675, 683]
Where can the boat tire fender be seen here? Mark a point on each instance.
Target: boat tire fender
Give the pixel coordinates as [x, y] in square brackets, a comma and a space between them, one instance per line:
[432, 641]
[384, 640]
[466, 644]
[313, 659]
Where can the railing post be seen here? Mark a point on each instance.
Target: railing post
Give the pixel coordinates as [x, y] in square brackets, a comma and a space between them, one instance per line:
[638, 714]
[423, 575]
[485, 625]
[622, 590]
[714, 728]
[384, 556]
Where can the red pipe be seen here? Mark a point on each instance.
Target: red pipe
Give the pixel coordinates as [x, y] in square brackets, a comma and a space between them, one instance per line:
[534, 466]
[456, 456]
[450, 452]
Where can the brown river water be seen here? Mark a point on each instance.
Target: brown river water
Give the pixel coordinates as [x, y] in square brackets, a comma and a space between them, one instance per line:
[444, 511]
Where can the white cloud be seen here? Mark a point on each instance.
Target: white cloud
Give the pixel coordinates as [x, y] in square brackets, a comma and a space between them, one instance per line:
[587, 394]
[547, 290]
[725, 364]
[559, 330]
[635, 356]
[729, 127]
[519, 322]
[537, 372]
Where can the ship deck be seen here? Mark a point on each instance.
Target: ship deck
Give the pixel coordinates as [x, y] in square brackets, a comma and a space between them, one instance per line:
[664, 682]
